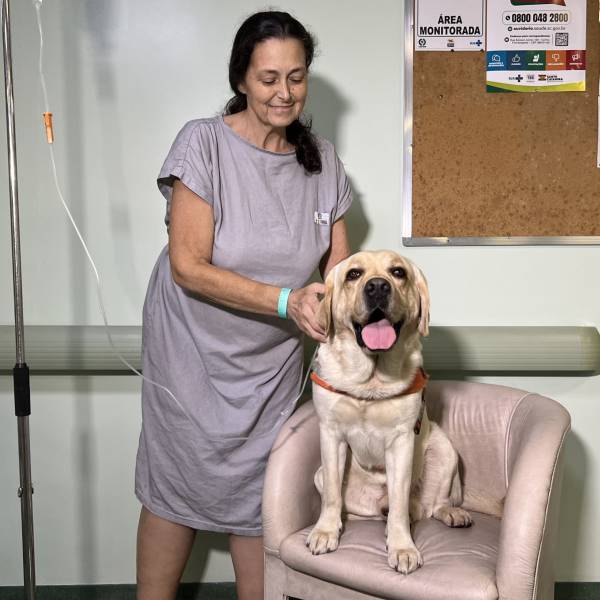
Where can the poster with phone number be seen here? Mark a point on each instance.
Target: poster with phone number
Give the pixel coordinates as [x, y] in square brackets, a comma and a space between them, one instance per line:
[536, 45]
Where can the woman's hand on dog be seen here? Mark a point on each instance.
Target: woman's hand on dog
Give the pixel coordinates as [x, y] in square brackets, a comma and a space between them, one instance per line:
[302, 307]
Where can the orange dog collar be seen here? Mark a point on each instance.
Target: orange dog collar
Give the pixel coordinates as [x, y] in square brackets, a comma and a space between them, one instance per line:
[418, 384]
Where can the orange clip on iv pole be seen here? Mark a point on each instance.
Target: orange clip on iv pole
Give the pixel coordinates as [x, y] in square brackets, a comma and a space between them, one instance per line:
[48, 124]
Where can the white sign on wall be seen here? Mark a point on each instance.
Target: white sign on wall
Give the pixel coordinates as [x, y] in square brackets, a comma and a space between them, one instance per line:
[443, 25]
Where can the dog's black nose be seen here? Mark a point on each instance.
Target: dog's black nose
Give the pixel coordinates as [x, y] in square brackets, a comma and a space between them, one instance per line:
[377, 291]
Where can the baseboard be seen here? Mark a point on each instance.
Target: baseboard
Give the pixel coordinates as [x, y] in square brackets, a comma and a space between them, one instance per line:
[187, 591]
[565, 590]
[224, 591]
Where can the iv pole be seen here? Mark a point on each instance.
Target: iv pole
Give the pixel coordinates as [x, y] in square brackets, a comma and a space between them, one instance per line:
[21, 370]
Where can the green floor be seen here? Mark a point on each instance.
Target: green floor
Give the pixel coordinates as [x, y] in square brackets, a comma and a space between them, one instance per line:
[577, 591]
[221, 591]
[187, 591]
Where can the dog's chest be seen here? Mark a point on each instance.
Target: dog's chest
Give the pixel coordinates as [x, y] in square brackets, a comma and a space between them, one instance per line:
[367, 424]
[374, 414]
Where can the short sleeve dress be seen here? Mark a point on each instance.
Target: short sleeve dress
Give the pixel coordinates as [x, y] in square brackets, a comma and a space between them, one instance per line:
[233, 375]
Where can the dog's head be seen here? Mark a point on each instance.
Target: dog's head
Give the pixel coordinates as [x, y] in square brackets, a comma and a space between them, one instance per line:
[375, 295]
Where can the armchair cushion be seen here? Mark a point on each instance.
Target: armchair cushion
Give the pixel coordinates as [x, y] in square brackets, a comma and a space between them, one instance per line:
[460, 564]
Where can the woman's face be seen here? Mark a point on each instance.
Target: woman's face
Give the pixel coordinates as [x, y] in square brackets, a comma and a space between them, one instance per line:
[276, 81]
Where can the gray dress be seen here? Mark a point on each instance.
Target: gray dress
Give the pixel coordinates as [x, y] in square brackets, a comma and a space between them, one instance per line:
[234, 374]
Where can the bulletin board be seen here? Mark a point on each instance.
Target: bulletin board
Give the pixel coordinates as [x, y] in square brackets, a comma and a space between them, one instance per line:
[498, 168]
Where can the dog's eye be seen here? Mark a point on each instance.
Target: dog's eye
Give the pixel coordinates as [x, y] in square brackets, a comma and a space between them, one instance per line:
[398, 272]
[353, 274]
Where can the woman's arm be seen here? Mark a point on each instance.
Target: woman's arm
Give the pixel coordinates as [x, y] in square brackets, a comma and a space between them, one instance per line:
[338, 250]
[191, 234]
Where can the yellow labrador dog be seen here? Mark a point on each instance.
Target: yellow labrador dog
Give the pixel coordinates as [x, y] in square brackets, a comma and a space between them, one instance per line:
[367, 389]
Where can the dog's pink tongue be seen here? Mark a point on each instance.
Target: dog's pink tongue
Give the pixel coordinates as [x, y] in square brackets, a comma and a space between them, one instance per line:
[379, 336]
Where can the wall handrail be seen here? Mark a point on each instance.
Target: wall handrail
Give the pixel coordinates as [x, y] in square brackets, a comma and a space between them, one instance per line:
[56, 349]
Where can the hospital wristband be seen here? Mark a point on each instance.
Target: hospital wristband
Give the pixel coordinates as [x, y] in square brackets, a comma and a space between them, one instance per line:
[283, 300]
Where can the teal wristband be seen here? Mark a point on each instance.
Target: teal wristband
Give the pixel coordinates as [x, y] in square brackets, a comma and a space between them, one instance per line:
[283, 300]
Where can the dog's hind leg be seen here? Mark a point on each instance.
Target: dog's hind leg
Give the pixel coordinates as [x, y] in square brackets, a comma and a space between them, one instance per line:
[439, 487]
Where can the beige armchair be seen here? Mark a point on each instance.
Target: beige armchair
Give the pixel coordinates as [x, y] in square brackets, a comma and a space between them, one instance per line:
[509, 442]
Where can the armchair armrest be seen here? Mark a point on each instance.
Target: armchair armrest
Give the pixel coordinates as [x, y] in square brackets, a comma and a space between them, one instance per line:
[290, 499]
[535, 436]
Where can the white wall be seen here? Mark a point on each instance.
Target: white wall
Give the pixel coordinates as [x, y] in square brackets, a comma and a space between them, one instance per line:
[122, 78]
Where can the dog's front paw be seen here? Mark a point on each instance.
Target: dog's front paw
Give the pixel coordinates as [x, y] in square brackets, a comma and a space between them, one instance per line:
[453, 516]
[404, 560]
[324, 538]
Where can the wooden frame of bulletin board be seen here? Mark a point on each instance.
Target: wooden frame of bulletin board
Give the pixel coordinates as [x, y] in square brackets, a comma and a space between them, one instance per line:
[497, 168]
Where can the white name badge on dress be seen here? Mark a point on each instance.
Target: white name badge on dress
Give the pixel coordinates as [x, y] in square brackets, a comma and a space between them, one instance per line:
[321, 218]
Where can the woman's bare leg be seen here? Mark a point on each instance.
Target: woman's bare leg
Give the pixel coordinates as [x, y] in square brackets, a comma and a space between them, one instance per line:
[163, 549]
[249, 565]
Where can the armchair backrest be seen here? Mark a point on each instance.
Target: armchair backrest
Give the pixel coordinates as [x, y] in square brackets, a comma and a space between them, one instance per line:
[476, 418]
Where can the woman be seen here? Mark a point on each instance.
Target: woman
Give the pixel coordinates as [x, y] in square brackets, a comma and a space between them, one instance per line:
[255, 203]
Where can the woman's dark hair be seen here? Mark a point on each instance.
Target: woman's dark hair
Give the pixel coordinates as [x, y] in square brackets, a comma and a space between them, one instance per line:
[258, 28]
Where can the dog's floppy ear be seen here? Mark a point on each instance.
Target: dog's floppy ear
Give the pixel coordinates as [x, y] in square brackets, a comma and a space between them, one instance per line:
[421, 284]
[324, 311]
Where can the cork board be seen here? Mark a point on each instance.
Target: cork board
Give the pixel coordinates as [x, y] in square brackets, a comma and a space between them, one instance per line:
[503, 164]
